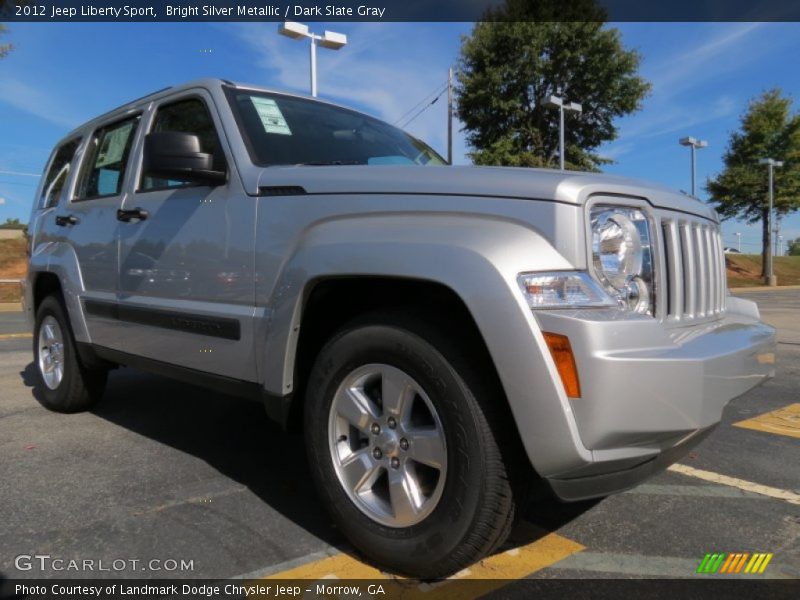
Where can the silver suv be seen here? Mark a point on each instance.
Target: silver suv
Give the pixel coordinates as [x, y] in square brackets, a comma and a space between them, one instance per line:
[445, 337]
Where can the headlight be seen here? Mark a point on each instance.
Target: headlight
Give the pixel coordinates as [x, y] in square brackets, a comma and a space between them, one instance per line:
[622, 256]
[562, 289]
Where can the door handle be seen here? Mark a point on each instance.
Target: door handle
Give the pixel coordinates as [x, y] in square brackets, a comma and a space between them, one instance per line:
[64, 220]
[129, 214]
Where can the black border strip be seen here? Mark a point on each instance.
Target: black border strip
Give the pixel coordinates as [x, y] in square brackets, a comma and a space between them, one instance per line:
[219, 327]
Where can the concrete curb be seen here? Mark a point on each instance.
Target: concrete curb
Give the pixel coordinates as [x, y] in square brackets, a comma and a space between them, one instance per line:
[10, 307]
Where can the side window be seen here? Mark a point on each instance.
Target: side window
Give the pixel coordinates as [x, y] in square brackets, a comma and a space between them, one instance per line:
[106, 159]
[57, 176]
[187, 116]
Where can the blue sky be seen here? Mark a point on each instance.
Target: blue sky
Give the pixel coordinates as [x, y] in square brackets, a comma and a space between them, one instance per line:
[703, 75]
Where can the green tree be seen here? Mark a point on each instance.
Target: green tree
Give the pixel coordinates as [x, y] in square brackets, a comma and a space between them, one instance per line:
[12, 224]
[517, 57]
[4, 48]
[5, 6]
[794, 247]
[768, 130]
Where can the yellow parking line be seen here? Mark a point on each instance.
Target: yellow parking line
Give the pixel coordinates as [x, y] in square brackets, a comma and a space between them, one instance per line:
[341, 566]
[485, 576]
[784, 421]
[15, 336]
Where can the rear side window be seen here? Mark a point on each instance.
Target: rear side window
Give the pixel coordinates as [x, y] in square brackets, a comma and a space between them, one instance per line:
[57, 176]
[187, 116]
[106, 160]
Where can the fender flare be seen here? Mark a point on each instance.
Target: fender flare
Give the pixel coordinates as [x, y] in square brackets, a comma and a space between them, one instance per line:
[478, 258]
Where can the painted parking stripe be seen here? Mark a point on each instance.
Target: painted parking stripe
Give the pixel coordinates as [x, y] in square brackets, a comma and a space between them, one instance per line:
[742, 484]
[489, 574]
[784, 421]
[15, 336]
[699, 491]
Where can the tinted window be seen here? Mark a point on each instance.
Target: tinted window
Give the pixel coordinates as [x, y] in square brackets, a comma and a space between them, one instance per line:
[106, 160]
[283, 130]
[56, 177]
[187, 116]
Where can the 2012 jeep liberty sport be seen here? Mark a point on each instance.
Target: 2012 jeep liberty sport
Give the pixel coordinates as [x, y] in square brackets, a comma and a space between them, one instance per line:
[443, 336]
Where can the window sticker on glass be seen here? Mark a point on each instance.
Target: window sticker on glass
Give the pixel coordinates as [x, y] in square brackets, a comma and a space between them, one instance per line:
[271, 116]
[113, 146]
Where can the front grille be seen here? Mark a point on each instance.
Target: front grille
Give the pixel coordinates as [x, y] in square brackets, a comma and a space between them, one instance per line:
[695, 269]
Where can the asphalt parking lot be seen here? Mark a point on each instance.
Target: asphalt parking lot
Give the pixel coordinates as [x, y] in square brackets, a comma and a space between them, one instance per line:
[166, 471]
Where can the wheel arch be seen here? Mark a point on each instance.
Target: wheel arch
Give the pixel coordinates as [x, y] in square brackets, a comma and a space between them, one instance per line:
[474, 260]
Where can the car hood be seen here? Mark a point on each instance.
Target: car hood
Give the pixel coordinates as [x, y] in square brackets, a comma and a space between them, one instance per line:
[572, 187]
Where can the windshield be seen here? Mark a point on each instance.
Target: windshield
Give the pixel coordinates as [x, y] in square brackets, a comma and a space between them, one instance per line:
[283, 130]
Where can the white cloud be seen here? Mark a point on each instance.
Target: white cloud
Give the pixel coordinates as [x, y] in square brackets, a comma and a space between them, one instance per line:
[26, 98]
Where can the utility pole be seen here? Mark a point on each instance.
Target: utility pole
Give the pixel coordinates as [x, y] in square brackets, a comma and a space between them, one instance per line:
[450, 116]
[738, 241]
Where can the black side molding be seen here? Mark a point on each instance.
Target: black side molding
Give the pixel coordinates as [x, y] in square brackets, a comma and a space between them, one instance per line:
[220, 327]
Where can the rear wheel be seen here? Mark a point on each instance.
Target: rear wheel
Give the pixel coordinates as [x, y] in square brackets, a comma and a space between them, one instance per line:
[403, 441]
[64, 384]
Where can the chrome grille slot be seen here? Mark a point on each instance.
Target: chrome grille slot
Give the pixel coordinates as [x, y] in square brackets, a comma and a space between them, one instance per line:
[694, 267]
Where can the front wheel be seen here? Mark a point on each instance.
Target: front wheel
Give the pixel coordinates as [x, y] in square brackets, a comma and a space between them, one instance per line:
[403, 445]
[64, 384]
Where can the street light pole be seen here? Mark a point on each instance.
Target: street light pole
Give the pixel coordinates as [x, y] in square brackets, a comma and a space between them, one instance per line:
[738, 241]
[330, 40]
[772, 164]
[450, 116]
[313, 59]
[694, 144]
[559, 103]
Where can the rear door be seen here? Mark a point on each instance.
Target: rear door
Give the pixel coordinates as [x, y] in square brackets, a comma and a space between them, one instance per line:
[186, 291]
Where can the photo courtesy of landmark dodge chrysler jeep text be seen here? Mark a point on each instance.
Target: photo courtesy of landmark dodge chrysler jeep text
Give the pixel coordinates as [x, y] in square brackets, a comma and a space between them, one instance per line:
[443, 336]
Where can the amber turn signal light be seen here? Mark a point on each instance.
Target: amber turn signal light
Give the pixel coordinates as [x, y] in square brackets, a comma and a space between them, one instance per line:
[561, 352]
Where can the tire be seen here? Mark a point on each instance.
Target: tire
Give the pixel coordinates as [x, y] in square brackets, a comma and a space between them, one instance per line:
[458, 514]
[63, 383]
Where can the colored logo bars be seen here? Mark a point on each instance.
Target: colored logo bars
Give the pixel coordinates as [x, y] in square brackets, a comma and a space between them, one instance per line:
[721, 562]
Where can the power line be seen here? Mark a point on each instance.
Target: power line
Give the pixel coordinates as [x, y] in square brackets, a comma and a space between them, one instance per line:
[424, 108]
[418, 104]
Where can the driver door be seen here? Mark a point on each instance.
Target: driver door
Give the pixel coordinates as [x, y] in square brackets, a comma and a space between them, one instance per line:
[186, 289]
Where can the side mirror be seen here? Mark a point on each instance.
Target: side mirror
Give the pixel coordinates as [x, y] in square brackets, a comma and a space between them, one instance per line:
[177, 155]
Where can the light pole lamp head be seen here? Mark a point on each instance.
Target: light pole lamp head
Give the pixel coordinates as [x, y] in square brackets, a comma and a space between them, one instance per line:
[771, 162]
[553, 102]
[294, 30]
[693, 142]
[574, 107]
[333, 40]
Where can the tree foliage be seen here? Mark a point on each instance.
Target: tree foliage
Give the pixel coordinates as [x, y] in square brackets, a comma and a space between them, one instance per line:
[518, 57]
[794, 247]
[768, 130]
[6, 6]
[4, 48]
[12, 224]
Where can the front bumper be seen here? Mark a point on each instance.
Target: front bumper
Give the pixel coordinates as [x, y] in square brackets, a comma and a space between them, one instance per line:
[650, 392]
